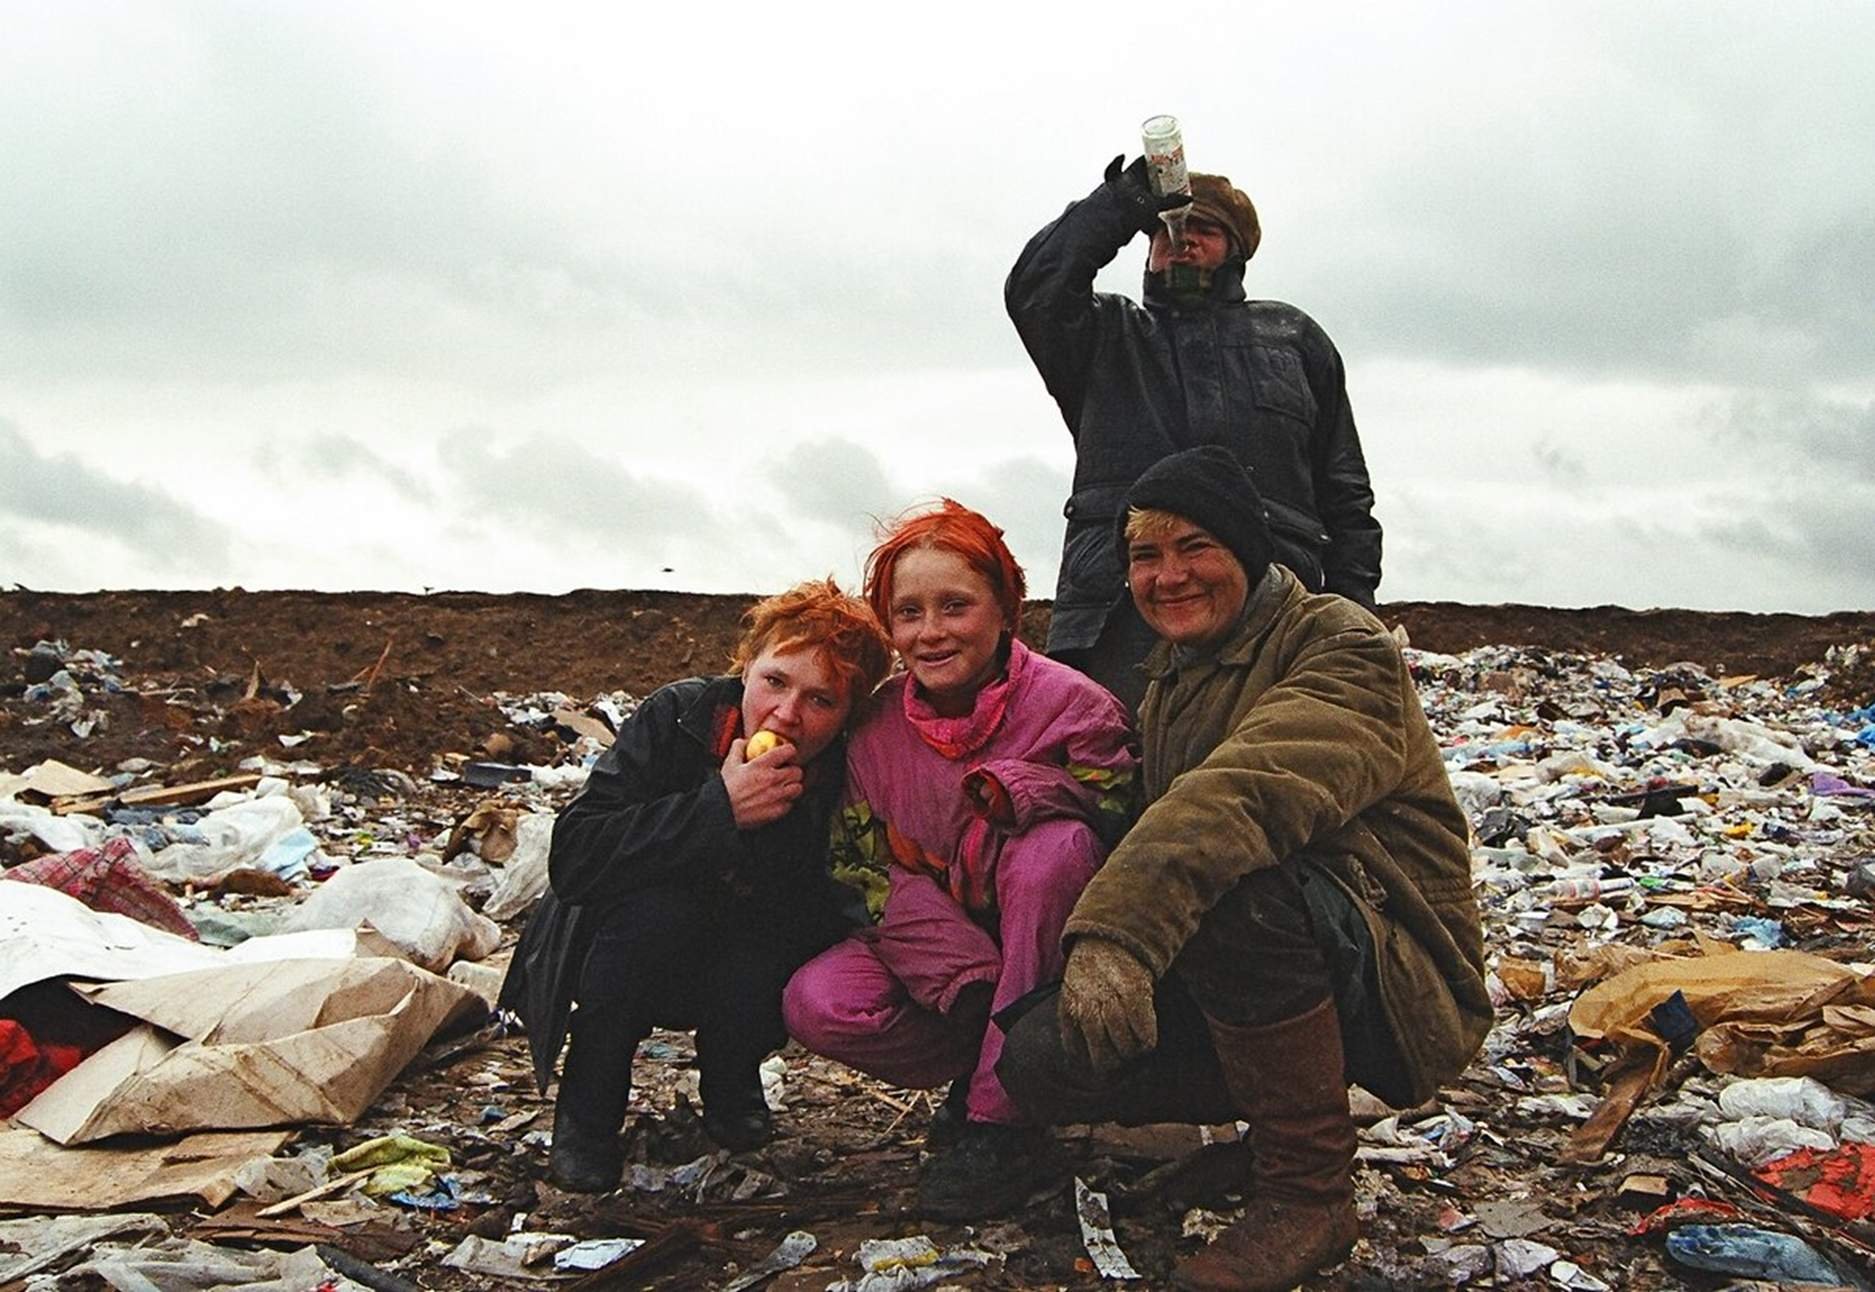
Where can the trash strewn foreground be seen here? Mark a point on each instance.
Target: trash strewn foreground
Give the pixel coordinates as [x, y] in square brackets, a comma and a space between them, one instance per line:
[246, 1045]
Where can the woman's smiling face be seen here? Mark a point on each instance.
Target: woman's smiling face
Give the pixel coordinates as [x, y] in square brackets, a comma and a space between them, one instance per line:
[947, 626]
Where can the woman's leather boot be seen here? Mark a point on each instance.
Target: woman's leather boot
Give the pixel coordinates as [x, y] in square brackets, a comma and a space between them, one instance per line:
[1288, 1080]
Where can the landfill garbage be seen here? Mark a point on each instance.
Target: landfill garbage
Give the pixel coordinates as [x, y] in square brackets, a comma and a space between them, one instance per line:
[905, 1264]
[1607, 839]
[417, 910]
[489, 831]
[1103, 1248]
[1459, 1264]
[398, 1163]
[1757, 1140]
[57, 833]
[595, 1253]
[524, 1255]
[774, 1072]
[108, 878]
[713, 1175]
[1521, 1257]
[1861, 881]
[187, 1263]
[30, 1245]
[29, 1064]
[790, 1252]
[1573, 1278]
[1757, 1253]
[483, 979]
[270, 1179]
[1750, 1005]
[524, 874]
[232, 837]
[262, 1043]
[1804, 1100]
[1838, 1181]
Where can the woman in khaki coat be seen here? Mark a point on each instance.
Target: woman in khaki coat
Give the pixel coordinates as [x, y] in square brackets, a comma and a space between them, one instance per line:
[1292, 911]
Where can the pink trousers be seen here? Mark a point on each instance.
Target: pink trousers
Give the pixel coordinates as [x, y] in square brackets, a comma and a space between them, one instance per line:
[881, 1000]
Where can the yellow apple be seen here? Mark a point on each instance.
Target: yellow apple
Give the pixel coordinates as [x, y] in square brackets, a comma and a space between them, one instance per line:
[760, 743]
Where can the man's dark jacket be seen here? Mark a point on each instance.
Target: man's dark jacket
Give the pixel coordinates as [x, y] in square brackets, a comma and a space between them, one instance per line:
[1136, 383]
[655, 812]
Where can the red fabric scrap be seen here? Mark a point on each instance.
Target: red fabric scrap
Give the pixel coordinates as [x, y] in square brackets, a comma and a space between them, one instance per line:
[109, 879]
[27, 1067]
[1685, 1211]
[1840, 1181]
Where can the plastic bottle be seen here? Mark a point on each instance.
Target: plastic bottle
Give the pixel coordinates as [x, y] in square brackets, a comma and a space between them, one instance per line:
[1589, 888]
[1164, 147]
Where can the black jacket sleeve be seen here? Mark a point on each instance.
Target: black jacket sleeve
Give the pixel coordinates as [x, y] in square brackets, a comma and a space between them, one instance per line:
[1344, 496]
[1050, 292]
[653, 808]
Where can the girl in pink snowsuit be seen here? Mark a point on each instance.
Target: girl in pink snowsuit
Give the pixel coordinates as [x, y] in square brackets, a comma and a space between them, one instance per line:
[984, 788]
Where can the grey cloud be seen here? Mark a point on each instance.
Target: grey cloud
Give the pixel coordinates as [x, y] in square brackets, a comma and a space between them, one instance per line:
[842, 484]
[339, 457]
[835, 482]
[1815, 528]
[1819, 288]
[1437, 549]
[553, 485]
[1652, 204]
[272, 211]
[269, 210]
[1800, 433]
[62, 489]
[1559, 464]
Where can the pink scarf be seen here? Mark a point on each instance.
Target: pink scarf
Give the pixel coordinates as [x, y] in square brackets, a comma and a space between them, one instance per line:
[955, 737]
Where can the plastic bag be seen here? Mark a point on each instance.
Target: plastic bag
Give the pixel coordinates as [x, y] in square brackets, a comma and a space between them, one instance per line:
[1757, 1140]
[1804, 1100]
[418, 911]
[524, 877]
[228, 838]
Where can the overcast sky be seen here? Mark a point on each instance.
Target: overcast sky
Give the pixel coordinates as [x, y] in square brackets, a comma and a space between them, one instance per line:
[366, 295]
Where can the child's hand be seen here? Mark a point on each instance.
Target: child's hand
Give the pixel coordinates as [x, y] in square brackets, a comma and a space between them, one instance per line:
[763, 790]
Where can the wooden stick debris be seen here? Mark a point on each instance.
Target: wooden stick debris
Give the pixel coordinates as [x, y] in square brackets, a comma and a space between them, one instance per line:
[883, 1098]
[327, 1189]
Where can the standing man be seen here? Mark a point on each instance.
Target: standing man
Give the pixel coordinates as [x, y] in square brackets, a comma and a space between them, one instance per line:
[1196, 363]
[1292, 911]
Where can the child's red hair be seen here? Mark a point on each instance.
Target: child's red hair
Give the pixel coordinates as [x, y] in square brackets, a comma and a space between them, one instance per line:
[950, 527]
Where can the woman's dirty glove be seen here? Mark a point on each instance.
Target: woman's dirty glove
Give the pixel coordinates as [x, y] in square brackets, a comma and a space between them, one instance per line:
[1106, 1012]
[1133, 186]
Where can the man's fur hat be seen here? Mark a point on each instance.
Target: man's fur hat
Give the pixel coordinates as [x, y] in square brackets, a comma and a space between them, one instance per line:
[1214, 197]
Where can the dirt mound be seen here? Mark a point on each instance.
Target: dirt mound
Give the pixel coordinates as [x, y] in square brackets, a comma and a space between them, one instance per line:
[397, 679]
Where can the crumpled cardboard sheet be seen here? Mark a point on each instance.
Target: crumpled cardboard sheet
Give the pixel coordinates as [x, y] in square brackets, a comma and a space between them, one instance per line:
[45, 933]
[278, 1044]
[37, 1173]
[1763, 1014]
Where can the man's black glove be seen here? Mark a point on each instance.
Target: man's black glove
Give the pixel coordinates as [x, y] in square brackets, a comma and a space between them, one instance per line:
[1133, 186]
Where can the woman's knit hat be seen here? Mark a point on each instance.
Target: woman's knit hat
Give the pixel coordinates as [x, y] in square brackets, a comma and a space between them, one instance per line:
[1210, 488]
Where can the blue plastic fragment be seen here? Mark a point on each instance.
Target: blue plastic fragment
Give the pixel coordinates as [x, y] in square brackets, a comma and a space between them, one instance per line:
[446, 1196]
[1748, 1250]
[1767, 933]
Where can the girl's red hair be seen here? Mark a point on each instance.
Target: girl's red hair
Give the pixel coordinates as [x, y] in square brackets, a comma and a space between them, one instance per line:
[950, 527]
